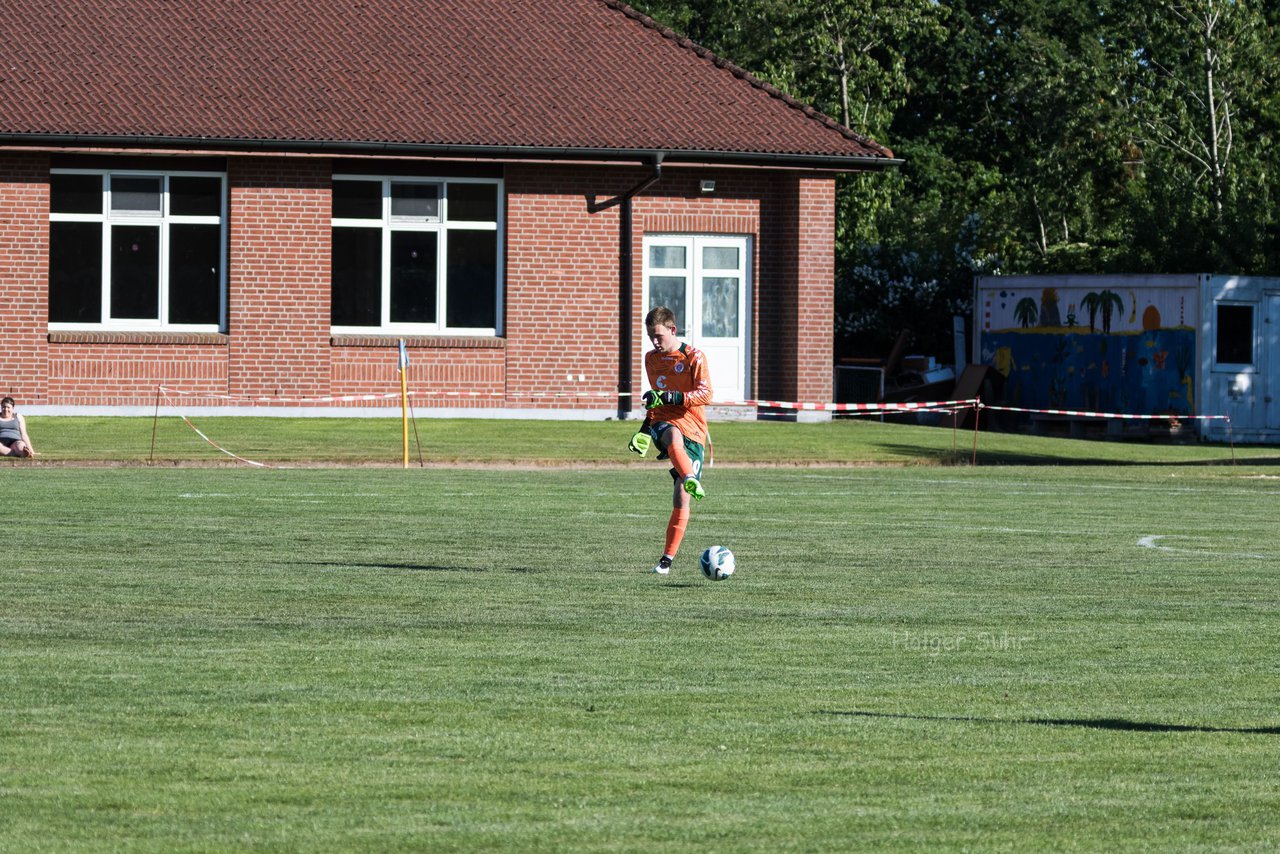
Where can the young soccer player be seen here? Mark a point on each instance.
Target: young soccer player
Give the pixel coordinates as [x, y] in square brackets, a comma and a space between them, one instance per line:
[680, 387]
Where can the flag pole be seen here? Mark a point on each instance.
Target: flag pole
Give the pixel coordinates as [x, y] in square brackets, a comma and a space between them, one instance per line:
[404, 403]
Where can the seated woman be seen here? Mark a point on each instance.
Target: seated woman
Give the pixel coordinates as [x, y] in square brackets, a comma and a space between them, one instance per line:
[14, 441]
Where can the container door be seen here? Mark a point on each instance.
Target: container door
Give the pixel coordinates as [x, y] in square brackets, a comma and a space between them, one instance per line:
[1271, 380]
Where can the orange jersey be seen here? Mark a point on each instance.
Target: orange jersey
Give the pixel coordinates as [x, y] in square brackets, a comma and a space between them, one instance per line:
[684, 370]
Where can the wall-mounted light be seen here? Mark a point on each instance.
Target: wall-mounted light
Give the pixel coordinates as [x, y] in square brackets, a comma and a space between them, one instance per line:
[708, 186]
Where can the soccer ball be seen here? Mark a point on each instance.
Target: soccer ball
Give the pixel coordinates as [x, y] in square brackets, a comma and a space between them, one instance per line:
[717, 563]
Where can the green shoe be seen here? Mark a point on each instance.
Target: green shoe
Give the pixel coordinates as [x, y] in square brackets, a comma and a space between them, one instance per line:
[694, 488]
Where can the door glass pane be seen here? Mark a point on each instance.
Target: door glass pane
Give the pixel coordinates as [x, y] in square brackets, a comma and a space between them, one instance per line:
[357, 277]
[413, 277]
[720, 307]
[720, 258]
[420, 201]
[669, 291]
[189, 196]
[135, 272]
[75, 272]
[194, 258]
[135, 194]
[667, 257]
[472, 301]
[75, 194]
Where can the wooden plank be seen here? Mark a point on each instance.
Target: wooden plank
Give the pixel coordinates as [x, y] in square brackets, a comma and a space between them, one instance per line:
[967, 387]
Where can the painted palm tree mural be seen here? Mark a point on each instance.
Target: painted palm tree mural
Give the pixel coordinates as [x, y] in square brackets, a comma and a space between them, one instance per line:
[1109, 301]
[1026, 313]
[1091, 302]
[1129, 360]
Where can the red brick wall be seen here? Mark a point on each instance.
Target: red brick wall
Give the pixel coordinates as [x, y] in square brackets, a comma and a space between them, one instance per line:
[815, 309]
[112, 369]
[679, 206]
[795, 349]
[775, 299]
[443, 371]
[562, 285]
[24, 275]
[560, 343]
[278, 299]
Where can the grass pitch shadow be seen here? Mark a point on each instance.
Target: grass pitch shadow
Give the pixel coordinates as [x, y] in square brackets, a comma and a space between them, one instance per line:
[1113, 724]
[1084, 457]
[419, 567]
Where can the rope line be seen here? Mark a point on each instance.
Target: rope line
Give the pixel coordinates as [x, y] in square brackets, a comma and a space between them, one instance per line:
[948, 406]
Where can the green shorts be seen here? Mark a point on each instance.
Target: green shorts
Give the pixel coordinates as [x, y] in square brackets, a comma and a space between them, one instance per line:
[695, 450]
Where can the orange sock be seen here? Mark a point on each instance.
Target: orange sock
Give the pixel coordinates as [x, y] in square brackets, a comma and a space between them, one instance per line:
[679, 459]
[675, 530]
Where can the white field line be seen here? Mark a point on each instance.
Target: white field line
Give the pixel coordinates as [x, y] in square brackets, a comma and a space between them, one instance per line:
[1152, 541]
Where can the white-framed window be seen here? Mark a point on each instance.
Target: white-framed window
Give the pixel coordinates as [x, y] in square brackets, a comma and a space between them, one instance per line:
[137, 250]
[417, 255]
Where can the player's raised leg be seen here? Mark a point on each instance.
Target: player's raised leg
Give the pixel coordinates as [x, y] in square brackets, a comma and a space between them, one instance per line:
[674, 448]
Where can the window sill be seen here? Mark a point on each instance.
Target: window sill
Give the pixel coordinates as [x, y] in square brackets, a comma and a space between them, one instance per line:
[217, 339]
[421, 342]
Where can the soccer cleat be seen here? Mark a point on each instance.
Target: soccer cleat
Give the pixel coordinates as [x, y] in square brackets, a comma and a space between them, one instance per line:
[663, 566]
[694, 488]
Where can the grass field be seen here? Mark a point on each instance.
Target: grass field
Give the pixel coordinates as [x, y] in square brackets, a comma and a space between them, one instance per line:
[1008, 657]
[362, 441]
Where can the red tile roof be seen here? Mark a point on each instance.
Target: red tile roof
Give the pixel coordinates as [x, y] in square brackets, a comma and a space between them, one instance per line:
[486, 76]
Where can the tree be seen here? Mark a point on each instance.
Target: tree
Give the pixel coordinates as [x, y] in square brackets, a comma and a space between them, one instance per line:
[1199, 78]
[1079, 136]
[851, 55]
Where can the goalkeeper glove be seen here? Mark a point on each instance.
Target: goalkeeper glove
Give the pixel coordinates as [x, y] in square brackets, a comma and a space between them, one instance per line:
[640, 443]
[654, 399]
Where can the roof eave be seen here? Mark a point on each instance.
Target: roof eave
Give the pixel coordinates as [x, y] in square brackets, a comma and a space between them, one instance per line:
[781, 160]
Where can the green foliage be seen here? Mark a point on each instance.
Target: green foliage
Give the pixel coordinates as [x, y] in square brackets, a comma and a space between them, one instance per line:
[1013, 658]
[1200, 80]
[1040, 136]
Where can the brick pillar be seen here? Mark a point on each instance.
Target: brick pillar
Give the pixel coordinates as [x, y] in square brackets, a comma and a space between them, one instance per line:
[278, 299]
[24, 276]
[775, 293]
[815, 288]
[797, 291]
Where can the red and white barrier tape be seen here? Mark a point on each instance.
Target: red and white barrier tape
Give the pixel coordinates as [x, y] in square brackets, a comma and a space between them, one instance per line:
[923, 406]
[423, 395]
[213, 395]
[1084, 414]
[800, 406]
[222, 449]
[357, 398]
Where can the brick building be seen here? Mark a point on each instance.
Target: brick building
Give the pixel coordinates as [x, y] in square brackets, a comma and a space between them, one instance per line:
[253, 201]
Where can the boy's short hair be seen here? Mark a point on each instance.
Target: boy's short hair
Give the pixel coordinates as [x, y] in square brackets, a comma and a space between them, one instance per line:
[660, 316]
[10, 401]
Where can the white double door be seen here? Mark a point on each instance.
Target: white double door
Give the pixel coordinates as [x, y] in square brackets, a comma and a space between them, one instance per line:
[705, 280]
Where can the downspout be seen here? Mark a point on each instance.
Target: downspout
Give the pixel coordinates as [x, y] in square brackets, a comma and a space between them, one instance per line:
[626, 264]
